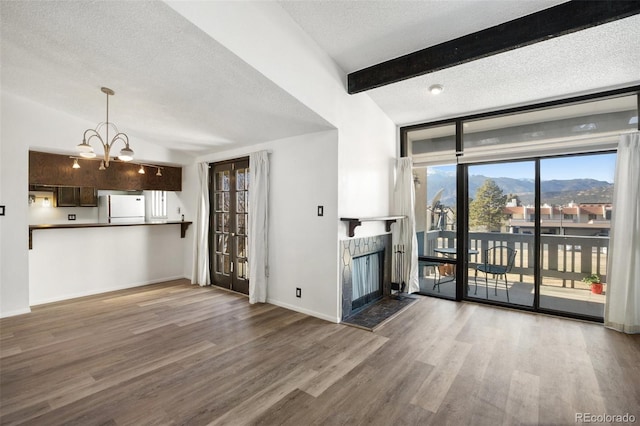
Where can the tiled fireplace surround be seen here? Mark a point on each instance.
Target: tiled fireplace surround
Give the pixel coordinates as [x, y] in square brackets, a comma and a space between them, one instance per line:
[359, 247]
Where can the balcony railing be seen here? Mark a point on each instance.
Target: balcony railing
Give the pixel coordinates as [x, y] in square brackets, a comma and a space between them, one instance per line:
[566, 223]
[566, 258]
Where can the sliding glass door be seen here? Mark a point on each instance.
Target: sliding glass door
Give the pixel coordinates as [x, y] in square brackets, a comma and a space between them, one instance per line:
[524, 220]
[573, 195]
[571, 221]
[576, 199]
[501, 232]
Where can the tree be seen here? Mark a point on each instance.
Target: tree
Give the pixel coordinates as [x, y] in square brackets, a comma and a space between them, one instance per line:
[514, 197]
[487, 209]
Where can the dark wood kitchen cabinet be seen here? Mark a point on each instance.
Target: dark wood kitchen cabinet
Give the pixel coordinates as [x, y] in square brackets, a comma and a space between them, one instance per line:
[70, 196]
[66, 196]
[88, 196]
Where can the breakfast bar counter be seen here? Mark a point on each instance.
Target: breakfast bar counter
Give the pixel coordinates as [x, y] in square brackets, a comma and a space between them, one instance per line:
[183, 226]
[76, 260]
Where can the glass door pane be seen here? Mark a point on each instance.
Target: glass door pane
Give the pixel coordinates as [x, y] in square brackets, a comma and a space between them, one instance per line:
[436, 229]
[221, 252]
[502, 219]
[576, 204]
[241, 234]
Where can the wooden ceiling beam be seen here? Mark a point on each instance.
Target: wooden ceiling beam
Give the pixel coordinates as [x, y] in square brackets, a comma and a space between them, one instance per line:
[549, 23]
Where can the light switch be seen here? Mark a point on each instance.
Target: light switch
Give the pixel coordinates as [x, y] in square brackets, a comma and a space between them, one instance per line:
[320, 210]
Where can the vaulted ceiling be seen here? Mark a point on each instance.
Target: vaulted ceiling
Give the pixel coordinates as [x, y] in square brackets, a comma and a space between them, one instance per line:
[178, 87]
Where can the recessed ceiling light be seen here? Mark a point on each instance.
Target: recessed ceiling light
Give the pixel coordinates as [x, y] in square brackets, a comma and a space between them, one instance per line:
[436, 89]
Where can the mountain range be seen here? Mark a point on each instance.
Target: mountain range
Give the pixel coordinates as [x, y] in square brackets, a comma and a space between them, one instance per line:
[554, 192]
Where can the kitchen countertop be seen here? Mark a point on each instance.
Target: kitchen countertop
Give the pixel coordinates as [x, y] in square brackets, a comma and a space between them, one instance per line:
[183, 226]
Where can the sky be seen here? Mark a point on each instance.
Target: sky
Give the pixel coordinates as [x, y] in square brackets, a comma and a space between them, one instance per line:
[596, 166]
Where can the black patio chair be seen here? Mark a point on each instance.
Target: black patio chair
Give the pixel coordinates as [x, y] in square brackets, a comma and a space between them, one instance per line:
[498, 261]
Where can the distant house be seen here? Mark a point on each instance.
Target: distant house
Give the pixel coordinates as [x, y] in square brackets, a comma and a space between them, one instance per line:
[585, 219]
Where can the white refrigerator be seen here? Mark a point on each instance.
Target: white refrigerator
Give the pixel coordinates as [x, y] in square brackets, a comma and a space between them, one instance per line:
[121, 208]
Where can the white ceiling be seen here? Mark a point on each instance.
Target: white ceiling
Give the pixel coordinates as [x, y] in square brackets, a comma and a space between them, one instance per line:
[179, 88]
[363, 33]
[173, 84]
[358, 34]
[596, 59]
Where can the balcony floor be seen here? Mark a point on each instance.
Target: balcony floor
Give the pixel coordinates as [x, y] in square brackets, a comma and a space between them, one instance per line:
[577, 301]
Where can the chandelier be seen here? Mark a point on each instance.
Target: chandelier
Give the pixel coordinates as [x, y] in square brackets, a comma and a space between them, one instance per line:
[86, 150]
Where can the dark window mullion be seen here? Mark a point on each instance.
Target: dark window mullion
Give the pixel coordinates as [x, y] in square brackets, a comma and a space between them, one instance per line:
[537, 239]
[233, 208]
[462, 230]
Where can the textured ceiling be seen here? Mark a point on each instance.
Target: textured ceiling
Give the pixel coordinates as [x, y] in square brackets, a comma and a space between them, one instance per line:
[358, 34]
[173, 84]
[177, 87]
[364, 33]
[599, 58]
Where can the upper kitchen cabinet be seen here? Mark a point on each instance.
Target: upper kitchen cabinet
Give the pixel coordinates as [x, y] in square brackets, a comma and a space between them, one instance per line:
[67, 196]
[57, 170]
[87, 196]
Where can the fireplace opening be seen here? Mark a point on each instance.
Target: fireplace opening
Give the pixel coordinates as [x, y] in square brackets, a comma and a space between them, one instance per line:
[367, 279]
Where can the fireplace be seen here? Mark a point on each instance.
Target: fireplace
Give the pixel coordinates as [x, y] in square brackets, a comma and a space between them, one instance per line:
[366, 272]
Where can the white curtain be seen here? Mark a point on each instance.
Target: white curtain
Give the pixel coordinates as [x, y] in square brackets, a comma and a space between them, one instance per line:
[200, 272]
[258, 253]
[622, 309]
[404, 230]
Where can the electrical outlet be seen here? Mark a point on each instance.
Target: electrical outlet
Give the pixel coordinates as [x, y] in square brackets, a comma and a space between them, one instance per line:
[71, 217]
[298, 292]
[320, 210]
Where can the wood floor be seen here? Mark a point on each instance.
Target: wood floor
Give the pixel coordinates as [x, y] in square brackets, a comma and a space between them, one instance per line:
[173, 353]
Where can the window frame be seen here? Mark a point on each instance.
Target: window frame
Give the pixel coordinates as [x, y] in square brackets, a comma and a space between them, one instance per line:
[158, 205]
[462, 174]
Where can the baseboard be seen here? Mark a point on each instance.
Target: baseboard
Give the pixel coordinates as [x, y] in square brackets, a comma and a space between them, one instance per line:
[16, 312]
[101, 291]
[304, 311]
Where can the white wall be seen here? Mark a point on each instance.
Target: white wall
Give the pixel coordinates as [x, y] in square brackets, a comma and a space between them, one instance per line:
[14, 226]
[367, 152]
[67, 263]
[265, 37]
[187, 199]
[27, 125]
[302, 245]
